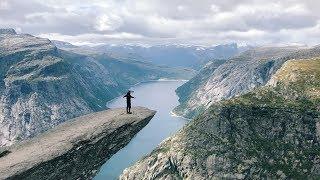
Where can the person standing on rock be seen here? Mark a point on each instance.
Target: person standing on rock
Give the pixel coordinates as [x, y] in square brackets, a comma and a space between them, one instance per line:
[128, 96]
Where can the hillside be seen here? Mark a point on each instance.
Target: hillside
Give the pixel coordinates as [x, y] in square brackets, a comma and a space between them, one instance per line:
[269, 133]
[42, 86]
[236, 76]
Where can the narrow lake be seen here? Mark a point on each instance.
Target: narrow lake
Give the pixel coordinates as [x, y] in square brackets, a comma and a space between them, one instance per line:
[156, 95]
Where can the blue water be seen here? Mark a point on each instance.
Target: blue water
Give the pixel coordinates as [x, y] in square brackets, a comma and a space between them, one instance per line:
[156, 95]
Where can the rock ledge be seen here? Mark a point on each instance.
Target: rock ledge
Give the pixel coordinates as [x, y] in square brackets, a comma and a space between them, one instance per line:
[75, 149]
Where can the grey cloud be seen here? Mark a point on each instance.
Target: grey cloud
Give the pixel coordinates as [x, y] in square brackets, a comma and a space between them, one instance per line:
[176, 21]
[16, 10]
[68, 24]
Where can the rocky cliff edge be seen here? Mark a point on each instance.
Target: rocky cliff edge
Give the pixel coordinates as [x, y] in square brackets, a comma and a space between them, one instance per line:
[75, 149]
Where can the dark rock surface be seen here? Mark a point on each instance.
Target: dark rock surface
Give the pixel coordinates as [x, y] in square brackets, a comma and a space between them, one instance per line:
[75, 149]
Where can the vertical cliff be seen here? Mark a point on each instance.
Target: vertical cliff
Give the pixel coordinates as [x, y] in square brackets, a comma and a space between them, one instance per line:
[41, 86]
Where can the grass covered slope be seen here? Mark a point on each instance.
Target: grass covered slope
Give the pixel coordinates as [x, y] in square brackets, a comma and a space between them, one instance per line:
[301, 76]
[271, 132]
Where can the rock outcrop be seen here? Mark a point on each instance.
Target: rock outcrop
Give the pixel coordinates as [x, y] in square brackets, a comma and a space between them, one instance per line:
[75, 149]
[270, 133]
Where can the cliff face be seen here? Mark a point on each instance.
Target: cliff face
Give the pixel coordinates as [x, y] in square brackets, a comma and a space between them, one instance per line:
[42, 86]
[75, 149]
[272, 132]
[236, 76]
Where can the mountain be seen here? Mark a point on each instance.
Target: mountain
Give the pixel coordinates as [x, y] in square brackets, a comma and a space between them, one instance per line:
[238, 75]
[269, 133]
[9, 31]
[42, 86]
[175, 55]
[63, 44]
[185, 56]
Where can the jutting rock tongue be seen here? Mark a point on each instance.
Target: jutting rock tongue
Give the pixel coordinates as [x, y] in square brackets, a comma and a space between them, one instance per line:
[75, 149]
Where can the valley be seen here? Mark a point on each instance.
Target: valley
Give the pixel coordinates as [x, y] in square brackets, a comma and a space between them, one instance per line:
[159, 90]
[157, 95]
[42, 86]
[252, 111]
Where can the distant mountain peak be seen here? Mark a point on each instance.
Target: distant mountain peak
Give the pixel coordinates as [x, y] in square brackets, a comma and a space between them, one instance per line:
[7, 31]
[63, 44]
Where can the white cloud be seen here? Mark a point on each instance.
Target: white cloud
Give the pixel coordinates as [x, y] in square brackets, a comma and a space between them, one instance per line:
[108, 22]
[84, 39]
[4, 5]
[144, 21]
[214, 8]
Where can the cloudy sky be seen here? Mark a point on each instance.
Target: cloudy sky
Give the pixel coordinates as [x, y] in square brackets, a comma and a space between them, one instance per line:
[204, 22]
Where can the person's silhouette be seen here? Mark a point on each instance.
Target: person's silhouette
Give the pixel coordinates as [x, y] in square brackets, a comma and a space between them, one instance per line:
[128, 96]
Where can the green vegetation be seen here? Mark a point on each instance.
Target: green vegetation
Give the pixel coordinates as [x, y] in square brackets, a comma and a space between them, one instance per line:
[270, 132]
